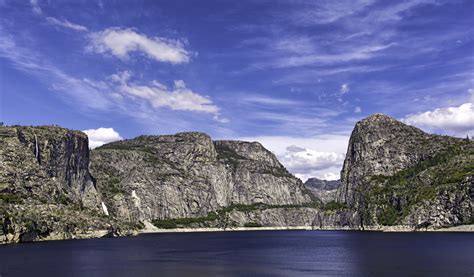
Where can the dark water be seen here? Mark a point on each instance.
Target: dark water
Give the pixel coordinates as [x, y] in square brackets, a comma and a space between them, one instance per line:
[259, 253]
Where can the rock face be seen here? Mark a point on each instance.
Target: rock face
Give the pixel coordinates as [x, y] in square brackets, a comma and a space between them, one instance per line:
[46, 189]
[58, 155]
[450, 207]
[189, 175]
[323, 189]
[381, 145]
[393, 175]
[397, 174]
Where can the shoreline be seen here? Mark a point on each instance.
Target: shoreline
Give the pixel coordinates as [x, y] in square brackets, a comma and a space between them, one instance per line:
[386, 229]
[150, 229]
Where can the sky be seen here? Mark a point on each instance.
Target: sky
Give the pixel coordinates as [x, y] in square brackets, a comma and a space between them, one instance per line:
[293, 75]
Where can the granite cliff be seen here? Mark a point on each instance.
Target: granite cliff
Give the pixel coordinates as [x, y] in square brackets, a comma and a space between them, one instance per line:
[46, 190]
[394, 175]
[188, 175]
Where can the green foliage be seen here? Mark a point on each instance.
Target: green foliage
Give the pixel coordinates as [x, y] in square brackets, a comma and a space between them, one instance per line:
[219, 215]
[10, 198]
[421, 182]
[334, 206]
[63, 199]
[112, 187]
[378, 178]
[252, 225]
[228, 156]
[388, 217]
[277, 172]
[185, 221]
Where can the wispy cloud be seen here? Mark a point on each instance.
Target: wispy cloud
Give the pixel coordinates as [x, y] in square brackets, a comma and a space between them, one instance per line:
[35, 7]
[344, 89]
[266, 100]
[354, 54]
[66, 24]
[116, 94]
[359, 31]
[27, 60]
[121, 42]
[326, 11]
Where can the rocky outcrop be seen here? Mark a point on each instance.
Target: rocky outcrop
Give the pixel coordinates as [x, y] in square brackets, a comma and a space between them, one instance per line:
[397, 174]
[323, 189]
[45, 185]
[56, 156]
[188, 175]
[381, 145]
[64, 156]
[258, 176]
[451, 206]
[316, 183]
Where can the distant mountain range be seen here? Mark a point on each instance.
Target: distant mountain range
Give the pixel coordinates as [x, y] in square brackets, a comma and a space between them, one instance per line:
[53, 187]
[323, 189]
[316, 183]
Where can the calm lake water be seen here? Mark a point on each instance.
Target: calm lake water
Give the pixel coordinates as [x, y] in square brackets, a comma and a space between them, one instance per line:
[258, 253]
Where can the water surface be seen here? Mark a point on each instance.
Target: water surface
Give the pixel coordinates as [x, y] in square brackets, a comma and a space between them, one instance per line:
[257, 253]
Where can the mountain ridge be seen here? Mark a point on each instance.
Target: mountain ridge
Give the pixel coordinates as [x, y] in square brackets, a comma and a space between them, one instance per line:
[53, 187]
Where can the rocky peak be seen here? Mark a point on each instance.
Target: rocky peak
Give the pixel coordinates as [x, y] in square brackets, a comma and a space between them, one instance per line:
[322, 184]
[323, 189]
[185, 147]
[249, 150]
[381, 145]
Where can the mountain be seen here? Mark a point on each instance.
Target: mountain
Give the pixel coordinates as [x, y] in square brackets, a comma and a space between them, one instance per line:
[316, 183]
[46, 189]
[53, 187]
[188, 175]
[323, 189]
[394, 176]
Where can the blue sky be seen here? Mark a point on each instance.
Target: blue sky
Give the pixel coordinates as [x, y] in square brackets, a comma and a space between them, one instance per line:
[294, 75]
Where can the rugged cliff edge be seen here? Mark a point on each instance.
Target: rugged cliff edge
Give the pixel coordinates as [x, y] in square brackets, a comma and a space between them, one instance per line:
[187, 175]
[46, 190]
[395, 174]
[395, 177]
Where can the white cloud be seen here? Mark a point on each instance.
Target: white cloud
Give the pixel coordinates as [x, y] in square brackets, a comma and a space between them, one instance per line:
[100, 136]
[320, 156]
[344, 88]
[66, 24]
[323, 12]
[35, 7]
[307, 163]
[345, 55]
[121, 42]
[451, 120]
[105, 96]
[158, 95]
[357, 110]
[265, 100]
